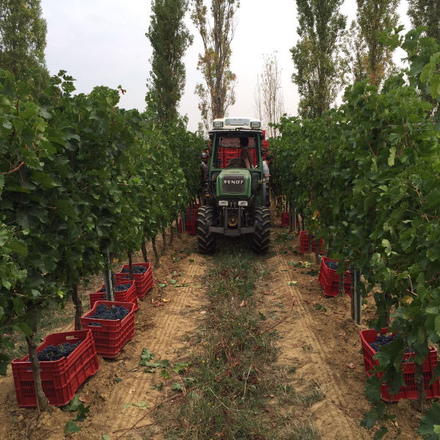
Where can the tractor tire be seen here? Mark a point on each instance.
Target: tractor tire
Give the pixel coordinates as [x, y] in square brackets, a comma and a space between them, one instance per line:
[261, 237]
[206, 240]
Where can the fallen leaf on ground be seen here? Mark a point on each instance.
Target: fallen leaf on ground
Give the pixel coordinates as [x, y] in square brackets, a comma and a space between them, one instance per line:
[266, 292]
[86, 398]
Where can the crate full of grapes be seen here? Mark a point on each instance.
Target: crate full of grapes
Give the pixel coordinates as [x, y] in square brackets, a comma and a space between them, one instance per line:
[371, 343]
[66, 361]
[329, 277]
[125, 291]
[142, 275]
[112, 325]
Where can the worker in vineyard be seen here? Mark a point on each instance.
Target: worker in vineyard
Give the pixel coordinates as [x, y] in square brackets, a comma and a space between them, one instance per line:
[244, 154]
[204, 176]
[266, 175]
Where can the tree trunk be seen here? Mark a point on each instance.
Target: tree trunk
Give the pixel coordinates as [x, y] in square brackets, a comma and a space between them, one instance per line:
[78, 306]
[171, 235]
[387, 309]
[144, 250]
[156, 255]
[419, 403]
[130, 265]
[42, 401]
[177, 229]
[164, 242]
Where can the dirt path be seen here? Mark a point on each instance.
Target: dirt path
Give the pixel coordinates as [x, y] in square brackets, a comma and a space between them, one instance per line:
[305, 344]
[323, 346]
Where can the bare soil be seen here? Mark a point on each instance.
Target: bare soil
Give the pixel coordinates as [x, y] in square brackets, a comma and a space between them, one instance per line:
[317, 337]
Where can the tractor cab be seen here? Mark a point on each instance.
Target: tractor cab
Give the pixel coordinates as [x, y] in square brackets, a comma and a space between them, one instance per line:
[235, 192]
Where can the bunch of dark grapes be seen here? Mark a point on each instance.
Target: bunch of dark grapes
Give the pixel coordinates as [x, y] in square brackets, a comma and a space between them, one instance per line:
[385, 339]
[118, 288]
[55, 352]
[331, 264]
[136, 269]
[112, 313]
[382, 339]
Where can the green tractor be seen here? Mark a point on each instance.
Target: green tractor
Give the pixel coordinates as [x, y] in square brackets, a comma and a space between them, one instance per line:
[235, 201]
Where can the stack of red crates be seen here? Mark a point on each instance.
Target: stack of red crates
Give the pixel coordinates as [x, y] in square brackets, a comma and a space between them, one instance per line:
[61, 378]
[143, 281]
[329, 279]
[110, 335]
[304, 243]
[410, 390]
[191, 214]
[226, 154]
[127, 295]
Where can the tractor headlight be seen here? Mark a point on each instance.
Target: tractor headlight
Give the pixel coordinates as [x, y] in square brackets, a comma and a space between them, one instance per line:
[243, 203]
[222, 203]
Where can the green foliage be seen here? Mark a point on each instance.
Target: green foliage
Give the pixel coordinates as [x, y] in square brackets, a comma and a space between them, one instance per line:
[214, 63]
[426, 13]
[373, 17]
[429, 428]
[79, 177]
[370, 169]
[169, 39]
[23, 41]
[315, 55]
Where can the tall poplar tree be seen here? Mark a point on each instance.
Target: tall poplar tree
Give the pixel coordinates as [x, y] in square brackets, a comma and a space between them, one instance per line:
[214, 63]
[23, 40]
[374, 17]
[269, 98]
[426, 13]
[169, 38]
[315, 56]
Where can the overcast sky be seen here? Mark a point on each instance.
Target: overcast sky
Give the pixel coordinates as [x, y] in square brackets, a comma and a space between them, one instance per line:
[102, 42]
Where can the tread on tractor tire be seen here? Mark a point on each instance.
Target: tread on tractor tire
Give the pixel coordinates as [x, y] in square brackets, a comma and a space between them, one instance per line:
[206, 240]
[261, 237]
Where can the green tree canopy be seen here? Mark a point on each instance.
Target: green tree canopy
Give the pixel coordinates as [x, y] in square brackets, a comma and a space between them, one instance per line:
[374, 17]
[316, 56]
[426, 13]
[23, 40]
[169, 39]
[214, 62]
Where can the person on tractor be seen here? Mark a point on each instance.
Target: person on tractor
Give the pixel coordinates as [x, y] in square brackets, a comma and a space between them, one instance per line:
[204, 176]
[244, 145]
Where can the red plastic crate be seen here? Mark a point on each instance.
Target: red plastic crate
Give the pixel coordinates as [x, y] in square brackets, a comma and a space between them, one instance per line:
[191, 214]
[128, 295]
[190, 226]
[144, 281]
[110, 336]
[410, 390]
[329, 279]
[326, 274]
[62, 378]
[285, 220]
[304, 243]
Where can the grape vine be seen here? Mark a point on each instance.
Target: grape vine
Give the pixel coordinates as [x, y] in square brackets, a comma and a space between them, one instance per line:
[79, 178]
[370, 169]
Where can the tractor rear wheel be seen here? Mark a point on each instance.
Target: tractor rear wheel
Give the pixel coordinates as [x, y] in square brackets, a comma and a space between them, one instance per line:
[206, 240]
[261, 237]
